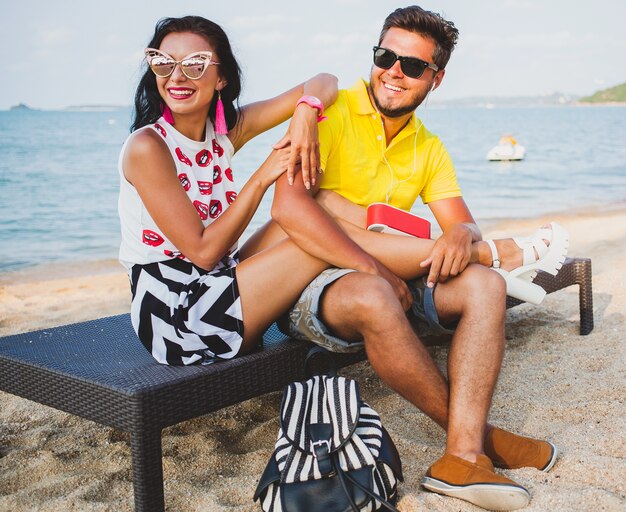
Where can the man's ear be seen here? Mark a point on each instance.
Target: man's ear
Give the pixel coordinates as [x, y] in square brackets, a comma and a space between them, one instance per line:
[438, 79]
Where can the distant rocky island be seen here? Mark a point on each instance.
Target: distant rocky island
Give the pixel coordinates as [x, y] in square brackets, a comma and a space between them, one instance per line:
[95, 108]
[22, 106]
[611, 96]
[615, 94]
[547, 99]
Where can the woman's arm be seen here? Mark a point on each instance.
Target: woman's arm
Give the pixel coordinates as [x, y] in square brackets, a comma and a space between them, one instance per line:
[302, 133]
[262, 115]
[149, 167]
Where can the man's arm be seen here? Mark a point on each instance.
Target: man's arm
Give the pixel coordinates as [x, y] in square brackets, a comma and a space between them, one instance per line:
[339, 207]
[316, 232]
[452, 251]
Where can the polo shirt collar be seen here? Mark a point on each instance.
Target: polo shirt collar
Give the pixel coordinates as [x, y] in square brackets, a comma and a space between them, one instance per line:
[360, 104]
[360, 99]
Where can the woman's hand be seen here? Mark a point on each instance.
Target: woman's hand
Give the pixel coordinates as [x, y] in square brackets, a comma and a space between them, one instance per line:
[303, 140]
[275, 165]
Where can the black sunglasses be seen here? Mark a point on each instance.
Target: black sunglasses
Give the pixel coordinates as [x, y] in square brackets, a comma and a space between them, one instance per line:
[411, 66]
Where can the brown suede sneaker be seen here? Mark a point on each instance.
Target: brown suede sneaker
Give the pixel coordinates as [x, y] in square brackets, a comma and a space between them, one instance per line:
[510, 451]
[475, 482]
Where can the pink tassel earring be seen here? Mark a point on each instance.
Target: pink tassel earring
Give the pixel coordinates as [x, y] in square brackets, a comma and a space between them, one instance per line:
[167, 115]
[220, 119]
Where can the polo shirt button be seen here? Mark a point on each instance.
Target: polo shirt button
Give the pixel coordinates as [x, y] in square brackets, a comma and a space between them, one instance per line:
[373, 116]
[380, 137]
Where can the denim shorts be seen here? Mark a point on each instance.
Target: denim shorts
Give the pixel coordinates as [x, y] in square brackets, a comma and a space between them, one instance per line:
[302, 320]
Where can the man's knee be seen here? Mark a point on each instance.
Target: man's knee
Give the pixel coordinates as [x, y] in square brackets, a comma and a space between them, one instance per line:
[359, 299]
[481, 280]
[476, 288]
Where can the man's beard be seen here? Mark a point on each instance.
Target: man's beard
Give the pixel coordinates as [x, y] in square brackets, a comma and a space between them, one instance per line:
[396, 112]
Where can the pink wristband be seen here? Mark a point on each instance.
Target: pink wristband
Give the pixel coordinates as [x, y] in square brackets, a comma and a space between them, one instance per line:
[313, 102]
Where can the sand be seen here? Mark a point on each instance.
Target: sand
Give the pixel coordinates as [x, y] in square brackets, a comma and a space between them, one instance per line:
[554, 384]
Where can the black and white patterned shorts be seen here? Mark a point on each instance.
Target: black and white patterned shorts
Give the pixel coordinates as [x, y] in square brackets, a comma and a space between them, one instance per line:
[184, 314]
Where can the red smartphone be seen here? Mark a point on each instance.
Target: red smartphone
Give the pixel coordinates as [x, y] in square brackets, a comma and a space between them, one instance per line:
[388, 219]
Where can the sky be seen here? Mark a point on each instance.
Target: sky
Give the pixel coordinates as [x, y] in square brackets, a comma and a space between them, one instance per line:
[66, 53]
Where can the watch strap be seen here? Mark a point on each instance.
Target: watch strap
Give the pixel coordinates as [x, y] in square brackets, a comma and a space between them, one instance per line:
[315, 103]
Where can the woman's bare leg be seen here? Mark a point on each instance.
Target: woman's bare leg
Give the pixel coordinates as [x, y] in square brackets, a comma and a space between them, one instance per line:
[350, 215]
[400, 254]
[270, 282]
[263, 238]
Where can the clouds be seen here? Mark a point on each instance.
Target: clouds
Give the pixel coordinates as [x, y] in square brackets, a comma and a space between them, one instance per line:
[264, 21]
[517, 4]
[521, 41]
[92, 52]
[296, 47]
[334, 41]
[55, 36]
[267, 39]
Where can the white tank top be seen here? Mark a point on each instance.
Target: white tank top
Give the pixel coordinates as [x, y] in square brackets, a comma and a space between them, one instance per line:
[204, 172]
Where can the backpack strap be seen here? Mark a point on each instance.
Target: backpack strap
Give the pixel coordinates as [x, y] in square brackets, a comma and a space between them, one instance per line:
[342, 481]
[315, 353]
[321, 438]
[367, 491]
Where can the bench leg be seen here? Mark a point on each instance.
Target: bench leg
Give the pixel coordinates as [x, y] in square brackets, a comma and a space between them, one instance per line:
[147, 470]
[583, 278]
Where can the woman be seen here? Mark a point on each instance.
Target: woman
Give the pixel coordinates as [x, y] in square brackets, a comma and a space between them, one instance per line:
[192, 300]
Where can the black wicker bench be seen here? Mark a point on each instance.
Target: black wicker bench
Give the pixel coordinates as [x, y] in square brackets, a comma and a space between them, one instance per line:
[99, 371]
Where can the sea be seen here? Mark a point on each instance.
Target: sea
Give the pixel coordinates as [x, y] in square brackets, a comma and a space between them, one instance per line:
[59, 178]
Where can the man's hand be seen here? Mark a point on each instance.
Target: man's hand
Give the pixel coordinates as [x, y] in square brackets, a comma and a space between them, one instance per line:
[400, 288]
[450, 254]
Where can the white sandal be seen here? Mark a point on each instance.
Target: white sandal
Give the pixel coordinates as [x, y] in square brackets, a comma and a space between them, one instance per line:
[537, 255]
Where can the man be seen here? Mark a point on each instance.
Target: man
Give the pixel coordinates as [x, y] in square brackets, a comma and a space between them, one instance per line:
[373, 149]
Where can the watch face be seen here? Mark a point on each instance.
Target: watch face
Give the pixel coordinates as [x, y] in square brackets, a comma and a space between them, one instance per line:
[313, 101]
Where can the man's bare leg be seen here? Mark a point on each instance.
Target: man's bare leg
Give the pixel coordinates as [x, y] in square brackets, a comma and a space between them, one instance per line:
[363, 306]
[478, 299]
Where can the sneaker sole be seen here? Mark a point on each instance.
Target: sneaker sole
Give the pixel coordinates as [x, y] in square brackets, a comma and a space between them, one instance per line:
[489, 496]
[555, 453]
[545, 469]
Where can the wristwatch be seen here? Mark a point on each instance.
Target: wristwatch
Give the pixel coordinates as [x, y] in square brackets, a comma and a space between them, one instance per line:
[313, 102]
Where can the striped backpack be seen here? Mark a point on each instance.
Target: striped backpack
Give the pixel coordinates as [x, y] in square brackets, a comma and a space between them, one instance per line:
[332, 453]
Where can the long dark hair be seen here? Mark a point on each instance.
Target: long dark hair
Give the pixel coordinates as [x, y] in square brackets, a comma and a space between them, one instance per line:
[148, 101]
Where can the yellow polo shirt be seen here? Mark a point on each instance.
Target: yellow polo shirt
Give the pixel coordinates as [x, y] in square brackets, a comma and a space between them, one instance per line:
[359, 165]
